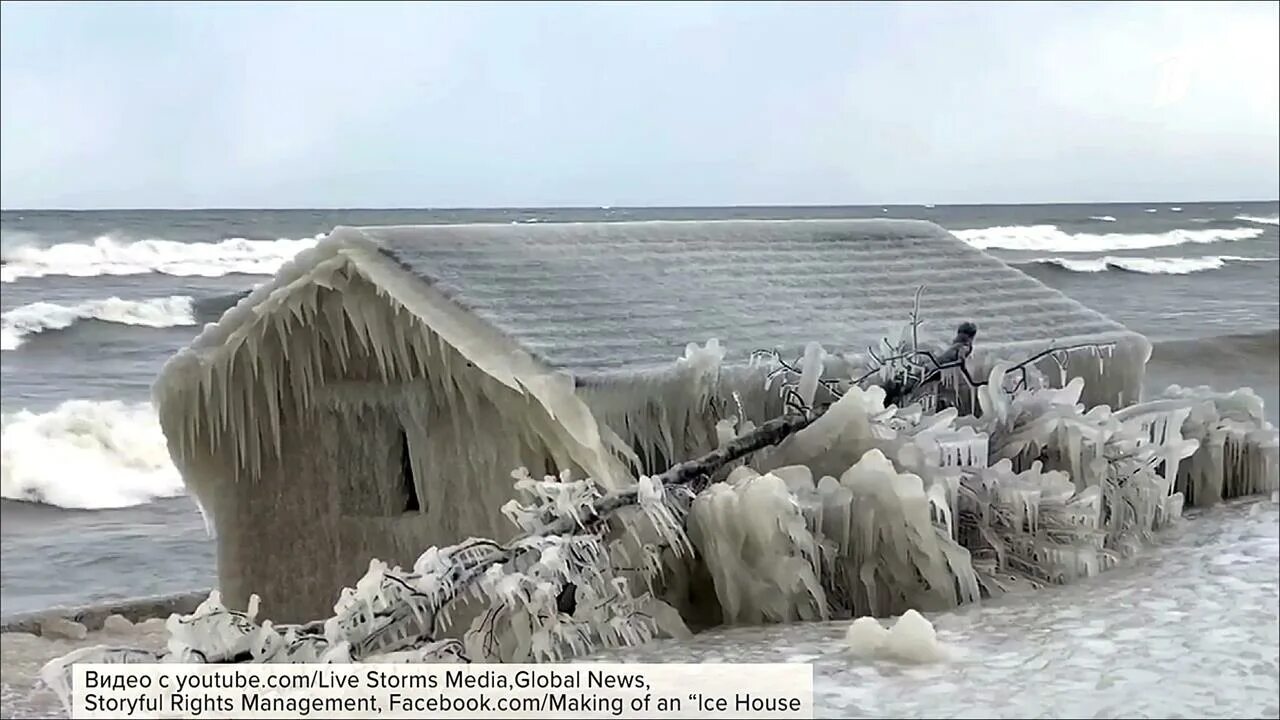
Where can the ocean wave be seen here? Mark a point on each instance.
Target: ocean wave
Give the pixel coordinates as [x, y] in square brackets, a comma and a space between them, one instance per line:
[17, 324]
[86, 455]
[1265, 340]
[1147, 265]
[1228, 354]
[1102, 218]
[1269, 220]
[110, 256]
[1048, 238]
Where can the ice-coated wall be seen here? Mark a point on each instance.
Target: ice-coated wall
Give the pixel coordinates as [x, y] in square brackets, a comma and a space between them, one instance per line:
[387, 443]
[386, 354]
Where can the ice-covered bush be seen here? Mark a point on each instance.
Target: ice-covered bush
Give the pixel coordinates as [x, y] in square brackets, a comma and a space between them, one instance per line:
[851, 506]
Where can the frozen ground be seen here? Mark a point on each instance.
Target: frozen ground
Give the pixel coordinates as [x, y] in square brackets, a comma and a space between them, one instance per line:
[1191, 630]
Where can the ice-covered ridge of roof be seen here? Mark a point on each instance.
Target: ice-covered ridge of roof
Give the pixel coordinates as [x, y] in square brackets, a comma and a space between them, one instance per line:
[596, 298]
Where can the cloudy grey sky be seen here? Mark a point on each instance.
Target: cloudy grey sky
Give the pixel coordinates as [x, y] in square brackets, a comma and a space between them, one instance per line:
[401, 105]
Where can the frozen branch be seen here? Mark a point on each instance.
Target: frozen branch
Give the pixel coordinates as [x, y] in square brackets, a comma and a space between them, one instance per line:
[1033, 490]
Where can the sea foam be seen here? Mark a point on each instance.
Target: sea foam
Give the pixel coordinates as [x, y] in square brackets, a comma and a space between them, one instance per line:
[17, 324]
[86, 455]
[1149, 265]
[1269, 220]
[1049, 238]
[110, 256]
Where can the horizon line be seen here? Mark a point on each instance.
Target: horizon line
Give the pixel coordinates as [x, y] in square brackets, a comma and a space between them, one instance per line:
[765, 206]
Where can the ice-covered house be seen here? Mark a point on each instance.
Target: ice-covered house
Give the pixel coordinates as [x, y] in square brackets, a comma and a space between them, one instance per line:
[373, 398]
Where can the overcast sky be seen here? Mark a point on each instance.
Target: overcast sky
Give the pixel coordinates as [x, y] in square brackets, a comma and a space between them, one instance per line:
[366, 105]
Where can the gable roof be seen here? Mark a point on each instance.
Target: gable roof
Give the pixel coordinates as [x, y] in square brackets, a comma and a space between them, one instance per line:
[542, 308]
[596, 299]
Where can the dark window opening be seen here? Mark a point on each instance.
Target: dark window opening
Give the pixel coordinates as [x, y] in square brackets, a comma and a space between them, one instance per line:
[411, 501]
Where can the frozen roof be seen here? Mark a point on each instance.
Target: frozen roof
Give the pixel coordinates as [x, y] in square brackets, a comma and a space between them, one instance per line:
[604, 298]
[541, 309]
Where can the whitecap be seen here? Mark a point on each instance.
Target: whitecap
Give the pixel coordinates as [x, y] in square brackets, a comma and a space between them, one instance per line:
[1149, 265]
[1048, 238]
[20, 322]
[87, 455]
[1261, 220]
[107, 255]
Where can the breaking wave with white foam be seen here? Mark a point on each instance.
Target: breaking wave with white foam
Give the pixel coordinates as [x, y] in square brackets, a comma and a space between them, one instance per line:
[86, 455]
[1048, 238]
[110, 256]
[1149, 265]
[1269, 220]
[17, 324]
[1102, 218]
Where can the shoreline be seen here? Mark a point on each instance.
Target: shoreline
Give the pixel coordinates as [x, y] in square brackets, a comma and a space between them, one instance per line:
[92, 615]
[1110, 642]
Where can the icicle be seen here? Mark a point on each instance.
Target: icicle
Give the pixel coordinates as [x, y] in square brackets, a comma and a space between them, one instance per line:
[810, 373]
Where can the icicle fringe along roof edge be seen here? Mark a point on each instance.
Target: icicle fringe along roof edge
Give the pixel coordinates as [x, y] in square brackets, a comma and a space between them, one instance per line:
[864, 508]
[603, 299]
[385, 257]
[455, 258]
[920, 519]
[491, 352]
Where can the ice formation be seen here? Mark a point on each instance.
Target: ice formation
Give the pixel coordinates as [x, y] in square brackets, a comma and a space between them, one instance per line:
[391, 359]
[761, 553]
[910, 639]
[367, 351]
[909, 510]
[393, 614]
[832, 486]
[210, 394]
[1237, 452]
